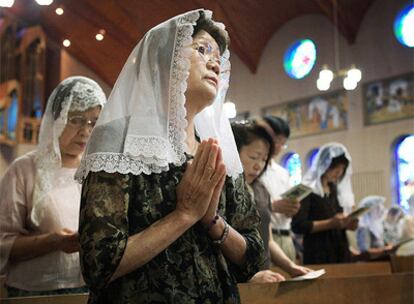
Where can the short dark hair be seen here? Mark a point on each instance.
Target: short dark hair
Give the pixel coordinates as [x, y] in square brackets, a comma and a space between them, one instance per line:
[339, 160]
[279, 126]
[246, 133]
[219, 35]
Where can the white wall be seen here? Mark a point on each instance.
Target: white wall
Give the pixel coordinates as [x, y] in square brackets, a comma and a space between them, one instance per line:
[376, 52]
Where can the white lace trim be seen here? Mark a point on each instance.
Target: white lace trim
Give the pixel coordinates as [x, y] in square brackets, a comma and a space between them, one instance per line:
[83, 97]
[148, 146]
[121, 163]
[178, 85]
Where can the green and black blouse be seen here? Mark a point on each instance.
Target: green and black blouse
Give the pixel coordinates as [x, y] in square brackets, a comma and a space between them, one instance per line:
[191, 270]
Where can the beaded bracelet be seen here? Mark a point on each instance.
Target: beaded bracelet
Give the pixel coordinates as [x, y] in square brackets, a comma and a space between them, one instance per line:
[213, 222]
[224, 235]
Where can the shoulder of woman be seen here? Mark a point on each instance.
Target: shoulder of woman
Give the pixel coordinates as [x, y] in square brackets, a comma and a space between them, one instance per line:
[23, 166]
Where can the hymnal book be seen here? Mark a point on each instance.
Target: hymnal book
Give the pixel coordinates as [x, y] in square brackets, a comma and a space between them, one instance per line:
[358, 212]
[308, 276]
[297, 193]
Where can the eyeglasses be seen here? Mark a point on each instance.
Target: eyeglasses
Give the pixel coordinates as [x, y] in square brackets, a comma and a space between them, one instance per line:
[81, 121]
[207, 52]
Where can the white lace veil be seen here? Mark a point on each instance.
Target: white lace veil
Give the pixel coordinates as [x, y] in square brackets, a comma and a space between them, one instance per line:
[373, 219]
[323, 159]
[142, 128]
[72, 94]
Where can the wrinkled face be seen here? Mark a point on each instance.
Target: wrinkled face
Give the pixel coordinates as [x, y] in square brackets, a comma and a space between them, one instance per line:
[204, 77]
[335, 174]
[253, 158]
[74, 137]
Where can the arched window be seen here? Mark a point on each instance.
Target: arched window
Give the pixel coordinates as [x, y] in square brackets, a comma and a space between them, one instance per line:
[12, 117]
[300, 58]
[404, 26]
[404, 169]
[311, 156]
[292, 163]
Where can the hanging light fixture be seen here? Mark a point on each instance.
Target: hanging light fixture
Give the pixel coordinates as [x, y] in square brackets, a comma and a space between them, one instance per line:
[350, 76]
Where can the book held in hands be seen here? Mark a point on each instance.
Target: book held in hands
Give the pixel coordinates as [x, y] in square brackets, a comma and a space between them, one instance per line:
[297, 193]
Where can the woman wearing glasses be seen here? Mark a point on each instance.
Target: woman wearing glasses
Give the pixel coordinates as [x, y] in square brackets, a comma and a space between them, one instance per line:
[160, 221]
[39, 198]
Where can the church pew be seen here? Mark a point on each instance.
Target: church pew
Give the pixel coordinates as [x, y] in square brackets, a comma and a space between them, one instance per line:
[347, 269]
[372, 289]
[402, 263]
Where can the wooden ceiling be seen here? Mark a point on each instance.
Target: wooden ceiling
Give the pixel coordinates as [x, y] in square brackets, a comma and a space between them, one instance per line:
[251, 23]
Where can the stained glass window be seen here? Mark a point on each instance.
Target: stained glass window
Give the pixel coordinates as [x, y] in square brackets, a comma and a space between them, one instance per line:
[12, 117]
[311, 156]
[292, 163]
[404, 170]
[404, 26]
[300, 58]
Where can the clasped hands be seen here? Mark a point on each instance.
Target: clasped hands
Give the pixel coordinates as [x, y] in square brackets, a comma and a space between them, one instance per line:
[198, 192]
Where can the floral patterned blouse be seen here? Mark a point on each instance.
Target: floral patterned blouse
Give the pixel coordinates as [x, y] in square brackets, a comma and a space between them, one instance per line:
[191, 270]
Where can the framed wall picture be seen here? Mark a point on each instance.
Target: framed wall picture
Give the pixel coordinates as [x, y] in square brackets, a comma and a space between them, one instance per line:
[314, 115]
[389, 99]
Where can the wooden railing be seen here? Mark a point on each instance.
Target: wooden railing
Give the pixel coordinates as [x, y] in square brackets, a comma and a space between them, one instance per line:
[365, 283]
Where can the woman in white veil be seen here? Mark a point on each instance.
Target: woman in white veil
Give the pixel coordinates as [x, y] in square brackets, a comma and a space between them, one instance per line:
[322, 215]
[370, 233]
[160, 221]
[40, 200]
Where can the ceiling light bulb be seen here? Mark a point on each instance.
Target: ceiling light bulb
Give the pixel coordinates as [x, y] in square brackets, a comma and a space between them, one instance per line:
[229, 109]
[99, 37]
[66, 43]
[326, 74]
[323, 84]
[6, 3]
[355, 74]
[59, 11]
[44, 2]
[349, 84]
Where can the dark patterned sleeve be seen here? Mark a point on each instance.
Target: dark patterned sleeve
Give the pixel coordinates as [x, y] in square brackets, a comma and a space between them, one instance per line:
[243, 216]
[103, 226]
[301, 223]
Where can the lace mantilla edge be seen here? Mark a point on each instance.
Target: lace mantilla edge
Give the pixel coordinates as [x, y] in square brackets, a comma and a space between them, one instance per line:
[178, 84]
[120, 163]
